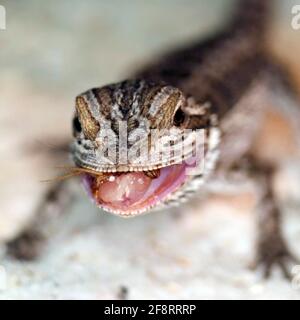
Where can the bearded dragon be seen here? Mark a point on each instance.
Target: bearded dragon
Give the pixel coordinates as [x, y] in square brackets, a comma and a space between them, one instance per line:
[223, 86]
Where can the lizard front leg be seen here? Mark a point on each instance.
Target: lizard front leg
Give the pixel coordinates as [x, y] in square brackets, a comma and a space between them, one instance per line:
[271, 247]
[29, 244]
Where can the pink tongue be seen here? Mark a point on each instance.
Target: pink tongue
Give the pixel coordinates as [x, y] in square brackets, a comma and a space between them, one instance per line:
[133, 191]
[123, 190]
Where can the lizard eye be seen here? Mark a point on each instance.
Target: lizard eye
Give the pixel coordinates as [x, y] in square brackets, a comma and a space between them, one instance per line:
[179, 118]
[76, 125]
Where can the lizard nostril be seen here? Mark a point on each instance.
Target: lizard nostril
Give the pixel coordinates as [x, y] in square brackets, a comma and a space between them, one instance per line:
[179, 117]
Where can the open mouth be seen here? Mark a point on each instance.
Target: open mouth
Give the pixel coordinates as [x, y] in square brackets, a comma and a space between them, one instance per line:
[131, 193]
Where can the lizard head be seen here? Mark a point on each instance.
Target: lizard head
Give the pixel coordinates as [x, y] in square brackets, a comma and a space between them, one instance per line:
[142, 145]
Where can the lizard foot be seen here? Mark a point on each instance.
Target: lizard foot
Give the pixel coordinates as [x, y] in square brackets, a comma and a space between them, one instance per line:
[26, 247]
[273, 252]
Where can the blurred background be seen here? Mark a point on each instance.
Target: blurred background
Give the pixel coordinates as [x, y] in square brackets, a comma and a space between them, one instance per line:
[49, 53]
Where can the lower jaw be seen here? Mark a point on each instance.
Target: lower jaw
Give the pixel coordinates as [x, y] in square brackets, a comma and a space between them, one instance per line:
[132, 193]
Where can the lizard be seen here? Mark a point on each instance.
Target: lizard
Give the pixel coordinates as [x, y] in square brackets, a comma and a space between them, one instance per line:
[221, 86]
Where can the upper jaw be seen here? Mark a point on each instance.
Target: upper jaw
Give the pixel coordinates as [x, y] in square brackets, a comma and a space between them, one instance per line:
[97, 168]
[91, 162]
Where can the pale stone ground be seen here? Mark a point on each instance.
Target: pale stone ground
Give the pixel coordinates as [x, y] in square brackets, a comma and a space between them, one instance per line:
[50, 53]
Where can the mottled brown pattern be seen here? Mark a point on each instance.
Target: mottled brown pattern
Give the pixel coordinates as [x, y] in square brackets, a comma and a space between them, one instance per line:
[103, 96]
[90, 126]
[164, 119]
[148, 97]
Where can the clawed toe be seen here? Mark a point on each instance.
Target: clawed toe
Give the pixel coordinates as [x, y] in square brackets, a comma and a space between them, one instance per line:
[275, 255]
[25, 247]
